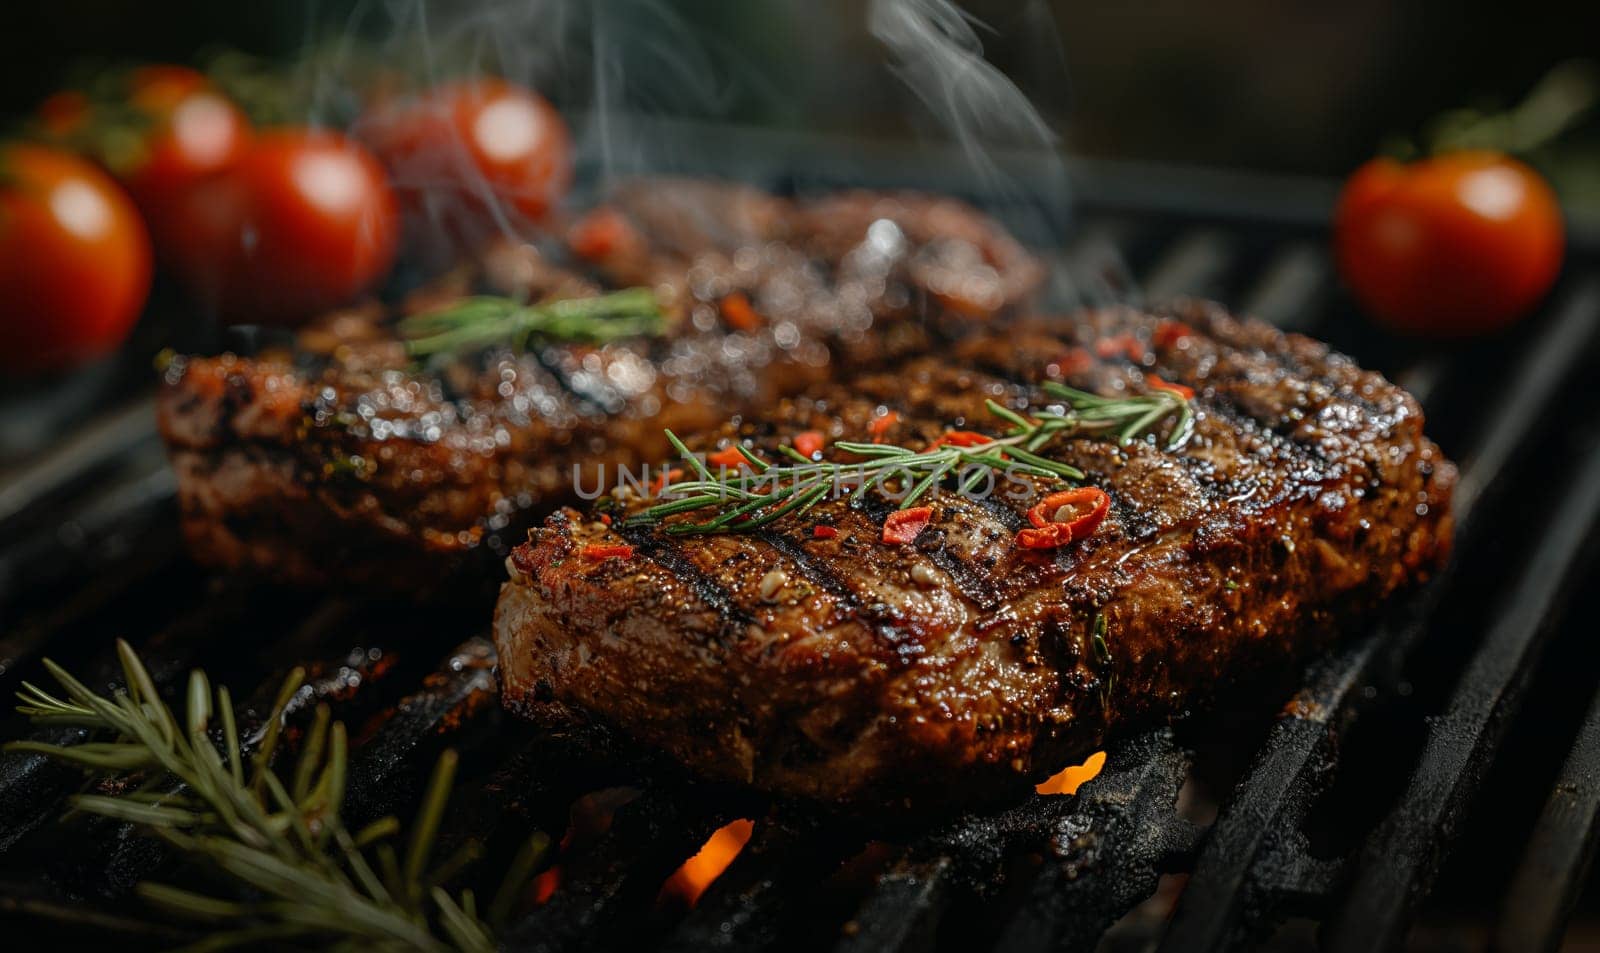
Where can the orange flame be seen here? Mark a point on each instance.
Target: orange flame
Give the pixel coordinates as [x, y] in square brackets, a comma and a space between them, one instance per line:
[688, 882]
[1068, 780]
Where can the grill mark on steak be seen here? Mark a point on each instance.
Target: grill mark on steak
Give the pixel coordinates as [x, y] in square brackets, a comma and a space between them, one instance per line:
[812, 569]
[666, 552]
[969, 578]
[965, 673]
[459, 457]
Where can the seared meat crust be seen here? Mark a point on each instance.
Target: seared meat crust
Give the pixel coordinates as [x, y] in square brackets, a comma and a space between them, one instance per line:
[338, 463]
[963, 667]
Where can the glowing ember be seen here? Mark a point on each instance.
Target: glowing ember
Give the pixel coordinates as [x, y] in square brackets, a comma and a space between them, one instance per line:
[688, 882]
[1067, 781]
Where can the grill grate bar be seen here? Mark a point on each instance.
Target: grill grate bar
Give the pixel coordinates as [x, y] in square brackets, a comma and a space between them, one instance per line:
[1559, 852]
[616, 878]
[1107, 854]
[1399, 861]
[1287, 291]
[1274, 796]
[902, 913]
[747, 906]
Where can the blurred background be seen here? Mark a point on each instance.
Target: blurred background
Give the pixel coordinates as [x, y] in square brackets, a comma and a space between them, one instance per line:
[1286, 87]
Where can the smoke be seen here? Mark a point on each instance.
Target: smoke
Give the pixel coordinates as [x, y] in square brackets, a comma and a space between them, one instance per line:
[644, 84]
[935, 50]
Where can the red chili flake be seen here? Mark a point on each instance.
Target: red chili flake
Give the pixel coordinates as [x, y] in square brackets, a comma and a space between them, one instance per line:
[601, 234]
[809, 442]
[961, 438]
[823, 532]
[662, 479]
[880, 425]
[740, 314]
[904, 526]
[1169, 333]
[1075, 361]
[1156, 383]
[1064, 517]
[601, 551]
[1124, 344]
[728, 456]
[605, 519]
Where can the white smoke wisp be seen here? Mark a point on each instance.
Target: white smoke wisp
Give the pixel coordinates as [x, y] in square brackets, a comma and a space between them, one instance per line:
[935, 50]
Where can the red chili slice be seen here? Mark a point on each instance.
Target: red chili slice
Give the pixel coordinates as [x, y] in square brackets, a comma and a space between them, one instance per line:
[881, 425]
[662, 479]
[1124, 344]
[1063, 517]
[728, 457]
[1075, 361]
[740, 314]
[601, 234]
[1156, 383]
[1169, 333]
[961, 438]
[904, 526]
[823, 532]
[809, 442]
[600, 551]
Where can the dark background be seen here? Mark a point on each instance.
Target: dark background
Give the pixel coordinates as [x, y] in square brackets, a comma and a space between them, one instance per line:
[1261, 84]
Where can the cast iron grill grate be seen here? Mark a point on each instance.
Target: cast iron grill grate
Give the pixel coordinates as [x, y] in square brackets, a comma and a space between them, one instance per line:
[1252, 809]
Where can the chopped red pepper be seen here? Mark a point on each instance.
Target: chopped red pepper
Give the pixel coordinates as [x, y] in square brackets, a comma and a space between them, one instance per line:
[880, 425]
[662, 479]
[601, 234]
[605, 519]
[740, 314]
[809, 442]
[1123, 344]
[599, 551]
[1075, 361]
[961, 438]
[904, 526]
[823, 532]
[1169, 333]
[1156, 383]
[727, 457]
[1064, 517]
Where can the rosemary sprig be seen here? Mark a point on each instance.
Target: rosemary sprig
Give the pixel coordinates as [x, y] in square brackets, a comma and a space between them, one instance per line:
[748, 501]
[473, 324]
[308, 878]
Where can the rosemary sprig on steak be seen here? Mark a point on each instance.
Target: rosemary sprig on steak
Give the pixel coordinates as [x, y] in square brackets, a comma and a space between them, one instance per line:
[476, 323]
[746, 500]
[305, 878]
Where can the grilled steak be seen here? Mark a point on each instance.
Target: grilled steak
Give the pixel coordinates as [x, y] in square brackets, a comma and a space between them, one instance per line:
[963, 666]
[337, 462]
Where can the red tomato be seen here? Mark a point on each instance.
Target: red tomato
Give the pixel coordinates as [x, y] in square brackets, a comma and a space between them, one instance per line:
[74, 260]
[195, 132]
[303, 222]
[480, 157]
[1454, 245]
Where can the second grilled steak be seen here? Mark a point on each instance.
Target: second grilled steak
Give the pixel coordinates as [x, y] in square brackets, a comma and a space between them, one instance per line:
[965, 667]
[340, 463]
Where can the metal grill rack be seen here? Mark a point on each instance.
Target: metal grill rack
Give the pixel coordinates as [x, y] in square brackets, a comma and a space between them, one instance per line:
[1340, 810]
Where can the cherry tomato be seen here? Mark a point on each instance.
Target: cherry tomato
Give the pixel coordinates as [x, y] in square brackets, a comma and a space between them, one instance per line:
[194, 132]
[74, 260]
[1454, 245]
[479, 157]
[303, 222]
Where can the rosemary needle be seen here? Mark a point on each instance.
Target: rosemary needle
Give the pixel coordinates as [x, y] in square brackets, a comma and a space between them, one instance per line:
[308, 877]
[473, 324]
[745, 501]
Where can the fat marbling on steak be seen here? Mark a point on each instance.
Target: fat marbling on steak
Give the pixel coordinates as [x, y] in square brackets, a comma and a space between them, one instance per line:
[832, 666]
[337, 462]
